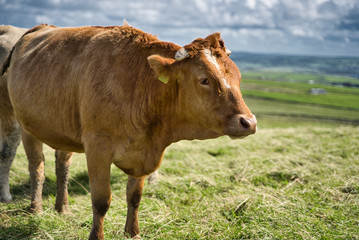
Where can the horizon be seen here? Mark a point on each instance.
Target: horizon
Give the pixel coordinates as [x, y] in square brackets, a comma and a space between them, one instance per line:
[285, 54]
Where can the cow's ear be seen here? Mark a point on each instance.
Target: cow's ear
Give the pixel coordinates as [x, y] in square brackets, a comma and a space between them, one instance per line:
[161, 66]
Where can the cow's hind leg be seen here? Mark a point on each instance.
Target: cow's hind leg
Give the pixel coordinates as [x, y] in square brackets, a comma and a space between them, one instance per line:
[9, 141]
[134, 193]
[99, 168]
[10, 137]
[63, 162]
[33, 149]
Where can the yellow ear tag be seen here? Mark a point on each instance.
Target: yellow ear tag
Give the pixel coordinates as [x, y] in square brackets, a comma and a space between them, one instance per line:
[163, 79]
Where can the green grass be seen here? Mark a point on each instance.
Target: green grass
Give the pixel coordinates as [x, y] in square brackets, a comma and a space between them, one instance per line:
[293, 182]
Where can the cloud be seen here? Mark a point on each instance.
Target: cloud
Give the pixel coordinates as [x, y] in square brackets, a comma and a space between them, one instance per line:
[295, 26]
[350, 21]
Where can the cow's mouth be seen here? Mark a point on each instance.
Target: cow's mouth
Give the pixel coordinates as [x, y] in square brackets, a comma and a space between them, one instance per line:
[237, 137]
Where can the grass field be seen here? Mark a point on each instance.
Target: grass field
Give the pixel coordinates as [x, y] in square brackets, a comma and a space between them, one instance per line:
[296, 178]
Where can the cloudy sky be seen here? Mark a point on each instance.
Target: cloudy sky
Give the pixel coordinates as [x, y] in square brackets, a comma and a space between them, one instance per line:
[310, 27]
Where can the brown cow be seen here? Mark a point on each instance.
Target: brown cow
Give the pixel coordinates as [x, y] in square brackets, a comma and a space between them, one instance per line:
[97, 90]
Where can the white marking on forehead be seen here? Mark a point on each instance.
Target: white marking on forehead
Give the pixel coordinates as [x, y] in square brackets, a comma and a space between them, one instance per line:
[212, 59]
[226, 84]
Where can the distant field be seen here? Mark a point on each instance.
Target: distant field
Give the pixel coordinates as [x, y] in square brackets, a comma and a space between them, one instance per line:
[288, 76]
[293, 99]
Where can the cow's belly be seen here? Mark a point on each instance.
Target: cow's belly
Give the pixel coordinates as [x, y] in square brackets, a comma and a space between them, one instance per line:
[52, 132]
[55, 139]
[49, 117]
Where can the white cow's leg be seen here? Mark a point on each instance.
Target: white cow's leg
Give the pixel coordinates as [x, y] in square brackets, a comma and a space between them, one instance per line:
[5, 164]
[5, 195]
[33, 149]
[9, 141]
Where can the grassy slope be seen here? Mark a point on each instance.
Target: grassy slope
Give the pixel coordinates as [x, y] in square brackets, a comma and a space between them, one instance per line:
[294, 182]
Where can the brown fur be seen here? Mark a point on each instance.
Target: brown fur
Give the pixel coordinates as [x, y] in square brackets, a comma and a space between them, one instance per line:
[95, 90]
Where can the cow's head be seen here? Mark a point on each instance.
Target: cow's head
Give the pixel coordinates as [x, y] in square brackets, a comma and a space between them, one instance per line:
[208, 84]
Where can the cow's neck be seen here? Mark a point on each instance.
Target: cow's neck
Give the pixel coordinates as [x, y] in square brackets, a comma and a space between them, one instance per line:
[169, 124]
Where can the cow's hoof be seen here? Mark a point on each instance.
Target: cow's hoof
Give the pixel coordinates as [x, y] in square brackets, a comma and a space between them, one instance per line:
[128, 236]
[35, 208]
[137, 237]
[6, 199]
[64, 209]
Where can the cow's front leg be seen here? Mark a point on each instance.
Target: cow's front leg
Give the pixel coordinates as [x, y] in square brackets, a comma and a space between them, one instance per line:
[63, 162]
[134, 193]
[99, 169]
[33, 149]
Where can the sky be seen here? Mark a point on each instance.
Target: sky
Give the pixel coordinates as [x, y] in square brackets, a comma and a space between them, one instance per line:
[304, 27]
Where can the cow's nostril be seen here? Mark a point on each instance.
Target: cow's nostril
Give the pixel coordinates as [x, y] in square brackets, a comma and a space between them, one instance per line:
[245, 123]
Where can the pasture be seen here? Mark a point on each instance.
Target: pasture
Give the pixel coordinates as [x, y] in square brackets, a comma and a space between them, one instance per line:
[296, 178]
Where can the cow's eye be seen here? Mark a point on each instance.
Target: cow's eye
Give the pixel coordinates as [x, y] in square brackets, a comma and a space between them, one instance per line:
[204, 81]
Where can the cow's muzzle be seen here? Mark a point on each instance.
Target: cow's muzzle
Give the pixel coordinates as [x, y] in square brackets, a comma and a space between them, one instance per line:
[242, 125]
